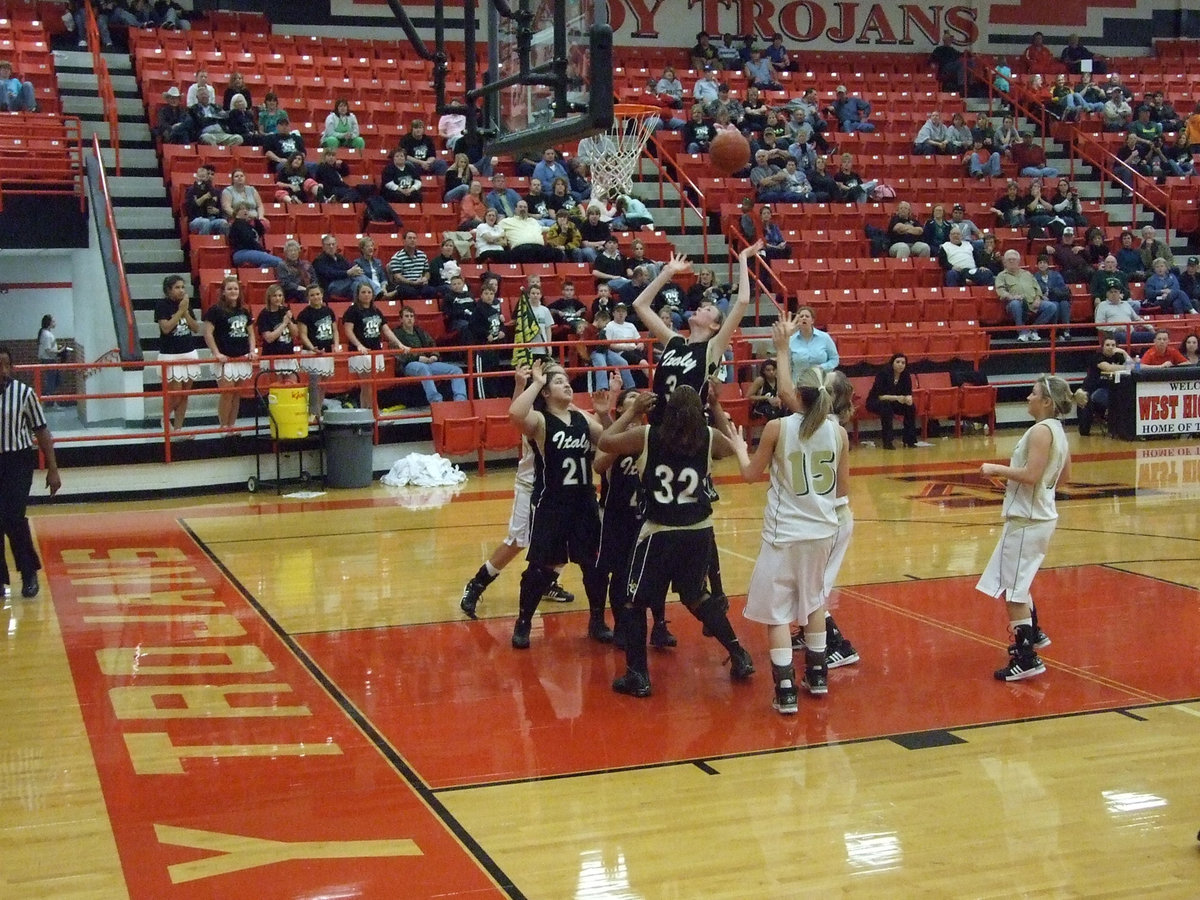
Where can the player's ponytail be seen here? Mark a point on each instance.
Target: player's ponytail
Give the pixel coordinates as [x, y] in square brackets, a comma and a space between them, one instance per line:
[814, 397]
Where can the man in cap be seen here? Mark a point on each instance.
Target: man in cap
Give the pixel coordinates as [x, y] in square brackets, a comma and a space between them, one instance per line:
[970, 231]
[169, 124]
[1070, 259]
[1189, 278]
[1023, 297]
[1031, 158]
[1117, 311]
[852, 112]
[1099, 286]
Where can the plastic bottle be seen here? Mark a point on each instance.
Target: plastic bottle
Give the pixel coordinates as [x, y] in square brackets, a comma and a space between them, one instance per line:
[1137, 363]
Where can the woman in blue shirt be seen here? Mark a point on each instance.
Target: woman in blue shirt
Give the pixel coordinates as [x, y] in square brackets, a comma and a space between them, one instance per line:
[811, 347]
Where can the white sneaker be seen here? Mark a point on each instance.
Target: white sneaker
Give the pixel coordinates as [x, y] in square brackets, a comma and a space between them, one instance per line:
[1034, 336]
[922, 444]
[1024, 336]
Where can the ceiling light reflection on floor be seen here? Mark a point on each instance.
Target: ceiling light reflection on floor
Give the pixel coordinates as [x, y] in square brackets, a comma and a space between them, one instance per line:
[1119, 802]
[873, 850]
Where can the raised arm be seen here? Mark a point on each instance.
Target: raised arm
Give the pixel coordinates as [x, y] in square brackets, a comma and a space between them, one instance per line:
[781, 335]
[521, 413]
[641, 304]
[741, 301]
[619, 437]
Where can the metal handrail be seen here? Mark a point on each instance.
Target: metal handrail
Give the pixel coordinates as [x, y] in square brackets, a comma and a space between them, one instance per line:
[685, 199]
[117, 260]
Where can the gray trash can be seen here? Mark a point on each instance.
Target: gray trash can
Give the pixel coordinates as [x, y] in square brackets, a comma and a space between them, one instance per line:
[348, 447]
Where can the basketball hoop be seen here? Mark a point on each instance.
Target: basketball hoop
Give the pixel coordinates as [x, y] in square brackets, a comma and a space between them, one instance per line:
[620, 149]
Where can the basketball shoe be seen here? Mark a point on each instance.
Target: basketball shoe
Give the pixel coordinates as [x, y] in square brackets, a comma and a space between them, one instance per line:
[661, 637]
[558, 594]
[470, 598]
[786, 696]
[635, 684]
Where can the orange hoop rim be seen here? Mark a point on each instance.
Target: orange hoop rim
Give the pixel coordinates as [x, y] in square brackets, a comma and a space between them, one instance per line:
[635, 111]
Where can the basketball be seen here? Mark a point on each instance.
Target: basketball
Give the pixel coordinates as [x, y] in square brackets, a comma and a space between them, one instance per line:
[729, 152]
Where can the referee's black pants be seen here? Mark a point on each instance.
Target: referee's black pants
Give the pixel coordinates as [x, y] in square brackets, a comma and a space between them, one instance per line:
[16, 479]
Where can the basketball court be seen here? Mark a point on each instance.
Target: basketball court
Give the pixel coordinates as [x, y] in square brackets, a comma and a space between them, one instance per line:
[271, 697]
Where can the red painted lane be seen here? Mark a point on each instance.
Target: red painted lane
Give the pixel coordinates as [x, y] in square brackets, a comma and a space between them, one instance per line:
[175, 831]
[465, 708]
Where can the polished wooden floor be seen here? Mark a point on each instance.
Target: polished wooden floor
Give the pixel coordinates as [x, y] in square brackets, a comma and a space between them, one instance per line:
[261, 697]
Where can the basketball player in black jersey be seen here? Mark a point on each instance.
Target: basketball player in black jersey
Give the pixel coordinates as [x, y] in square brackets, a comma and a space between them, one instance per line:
[674, 459]
[620, 524]
[566, 518]
[695, 359]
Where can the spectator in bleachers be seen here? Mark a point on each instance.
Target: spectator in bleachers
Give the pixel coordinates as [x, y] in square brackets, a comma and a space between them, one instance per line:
[937, 230]
[1117, 111]
[728, 56]
[982, 162]
[1191, 130]
[374, 270]
[1075, 53]
[294, 184]
[1010, 207]
[1160, 354]
[628, 344]
[603, 301]
[443, 266]
[277, 334]
[698, 132]
[851, 186]
[1116, 311]
[16, 95]
[763, 393]
[237, 85]
[1108, 360]
[906, 234]
[568, 309]
[704, 53]
[1039, 210]
[1030, 158]
[668, 304]
[486, 327]
[668, 89]
[1068, 207]
[775, 246]
[457, 306]
[705, 289]
[365, 330]
[202, 204]
[746, 121]
[1178, 155]
[278, 147]
[987, 257]
[852, 112]
[408, 271]
[490, 241]
[891, 395]
[706, 89]
[602, 357]
[593, 233]
[501, 197]
[781, 60]
[798, 183]
[1133, 157]
[245, 240]
[230, 339]
[806, 111]
[1022, 296]
[471, 208]
[422, 365]
[984, 129]
[1062, 99]
[1189, 279]
[1144, 128]
[296, 275]
[1152, 248]
[760, 73]
[246, 194]
[1095, 251]
[630, 214]
[1108, 269]
[776, 153]
[1189, 348]
[591, 148]
[420, 150]
[338, 276]
[341, 127]
[1129, 259]
[209, 120]
[770, 181]
[193, 92]
[172, 124]
[401, 179]
[541, 313]
[526, 240]
[241, 122]
[1088, 95]
[747, 223]
[609, 266]
[810, 346]
[1163, 291]
[270, 116]
[959, 136]
[822, 182]
[1054, 290]
[1005, 137]
[108, 13]
[947, 61]
[459, 176]
[549, 167]
[1037, 56]
[1003, 80]
[957, 259]
[537, 201]
[933, 137]
[1070, 259]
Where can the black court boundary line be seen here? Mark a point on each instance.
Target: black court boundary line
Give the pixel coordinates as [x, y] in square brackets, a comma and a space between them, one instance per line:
[414, 781]
[705, 763]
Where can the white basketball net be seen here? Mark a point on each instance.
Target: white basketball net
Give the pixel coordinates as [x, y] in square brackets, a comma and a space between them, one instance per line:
[619, 153]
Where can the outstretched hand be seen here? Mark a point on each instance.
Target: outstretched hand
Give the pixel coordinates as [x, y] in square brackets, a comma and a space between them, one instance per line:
[752, 250]
[678, 263]
[783, 329]
[537, 373]
[644, 402]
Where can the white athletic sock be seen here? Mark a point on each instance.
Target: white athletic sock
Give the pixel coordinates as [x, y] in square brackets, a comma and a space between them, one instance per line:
[1017, 623]
[491, 570]
[781, 657]
[815, 640]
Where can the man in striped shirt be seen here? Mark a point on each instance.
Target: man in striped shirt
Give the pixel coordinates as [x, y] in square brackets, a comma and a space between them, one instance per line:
[22, 425]
[409, 270]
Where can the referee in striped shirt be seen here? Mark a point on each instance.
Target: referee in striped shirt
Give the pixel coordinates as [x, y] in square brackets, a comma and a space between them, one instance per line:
[22, 425]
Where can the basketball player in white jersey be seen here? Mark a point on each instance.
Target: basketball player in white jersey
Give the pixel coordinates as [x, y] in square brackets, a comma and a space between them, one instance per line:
[806, 455]
[1039, 462]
